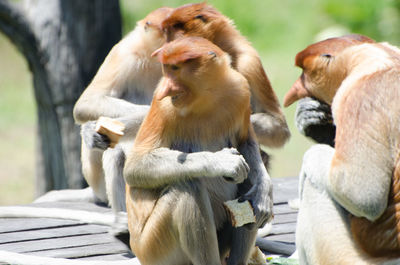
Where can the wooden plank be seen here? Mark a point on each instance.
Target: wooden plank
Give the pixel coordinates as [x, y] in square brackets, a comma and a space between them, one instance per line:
[52, 233]
[86, 206]
[286, 228]
[8, 225]
[285, 218]
[283, 208]
[54, 243]
[83, 251]
[285, 189]
[122, 256]
[287, 238]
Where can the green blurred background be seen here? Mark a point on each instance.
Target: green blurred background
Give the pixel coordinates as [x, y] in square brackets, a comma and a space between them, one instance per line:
[277, 29]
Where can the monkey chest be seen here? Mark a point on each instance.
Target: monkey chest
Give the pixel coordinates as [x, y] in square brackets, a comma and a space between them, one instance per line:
[219, 190]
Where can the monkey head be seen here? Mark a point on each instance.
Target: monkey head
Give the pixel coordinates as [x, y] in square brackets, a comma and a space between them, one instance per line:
[150, 28]
[199, 20]
[320, 78]
[191, 67]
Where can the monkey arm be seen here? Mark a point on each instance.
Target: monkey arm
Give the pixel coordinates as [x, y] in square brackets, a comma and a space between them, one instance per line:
[163, 166]
[268, 121]
[362, 166]
[132, 122]
[260, 192]
[360, 181]
[314, 120]
[89, 108]
[122, 73]
[271, 130]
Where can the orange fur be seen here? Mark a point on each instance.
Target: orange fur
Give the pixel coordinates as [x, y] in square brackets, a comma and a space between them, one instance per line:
[192, 120]
[190, 127]
[205, 21]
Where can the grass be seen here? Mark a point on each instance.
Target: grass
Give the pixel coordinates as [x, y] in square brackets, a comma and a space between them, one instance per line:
[277, 29]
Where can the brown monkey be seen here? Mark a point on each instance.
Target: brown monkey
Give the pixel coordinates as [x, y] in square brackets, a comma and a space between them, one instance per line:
[122, 89]
[184, 164]
[205, 21]
[349, 210]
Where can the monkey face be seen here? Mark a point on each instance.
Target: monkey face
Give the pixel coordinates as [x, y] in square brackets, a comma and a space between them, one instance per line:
[199, 20]
[321, 77]
[189, 69]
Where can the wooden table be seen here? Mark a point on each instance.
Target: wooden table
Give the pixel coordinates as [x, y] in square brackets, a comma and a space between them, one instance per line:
[76, 240]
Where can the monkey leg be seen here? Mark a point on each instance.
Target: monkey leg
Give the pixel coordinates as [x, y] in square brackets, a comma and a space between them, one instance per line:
[92, 168]
[178, 230]
[323, 234]
[194, 218]
[113, 165]
[243, 241]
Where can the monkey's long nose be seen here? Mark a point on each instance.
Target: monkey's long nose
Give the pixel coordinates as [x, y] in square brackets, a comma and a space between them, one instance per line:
[168, 88]
[296, 92]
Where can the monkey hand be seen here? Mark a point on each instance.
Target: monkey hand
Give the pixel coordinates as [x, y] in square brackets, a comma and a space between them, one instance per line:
[260, 198]
[314, 120]
[231, 165]
[93, 139]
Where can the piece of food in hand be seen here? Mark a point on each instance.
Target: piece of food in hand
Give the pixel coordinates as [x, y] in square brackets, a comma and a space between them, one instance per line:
[112, 128]
[241, 213]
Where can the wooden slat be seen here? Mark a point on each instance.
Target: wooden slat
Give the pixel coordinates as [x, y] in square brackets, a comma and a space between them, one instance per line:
[287, 238]
[285, 189]
[285, 218]
[8, 225]
[84, 251]
[122, 256]
[52, 233]
[283, 209]
[86, 206]
[283, 229]
[54, 243]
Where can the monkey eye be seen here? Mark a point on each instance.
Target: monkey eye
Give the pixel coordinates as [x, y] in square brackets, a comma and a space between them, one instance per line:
[326, 55]
[146, 25]
[212, 53]
[174, 67]
[178, 25]
[201, 17]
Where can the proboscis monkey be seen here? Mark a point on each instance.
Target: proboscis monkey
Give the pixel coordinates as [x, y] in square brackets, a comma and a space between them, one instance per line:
[205, 21]
[314, 117]
[122, 89]
[350, 195]
[188, 157]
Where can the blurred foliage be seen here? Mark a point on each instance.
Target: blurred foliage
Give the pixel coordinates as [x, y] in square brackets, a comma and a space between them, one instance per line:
[377, 19]
[277, 29]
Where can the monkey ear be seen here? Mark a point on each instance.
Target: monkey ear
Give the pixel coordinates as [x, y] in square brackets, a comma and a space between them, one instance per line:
[295, 93]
